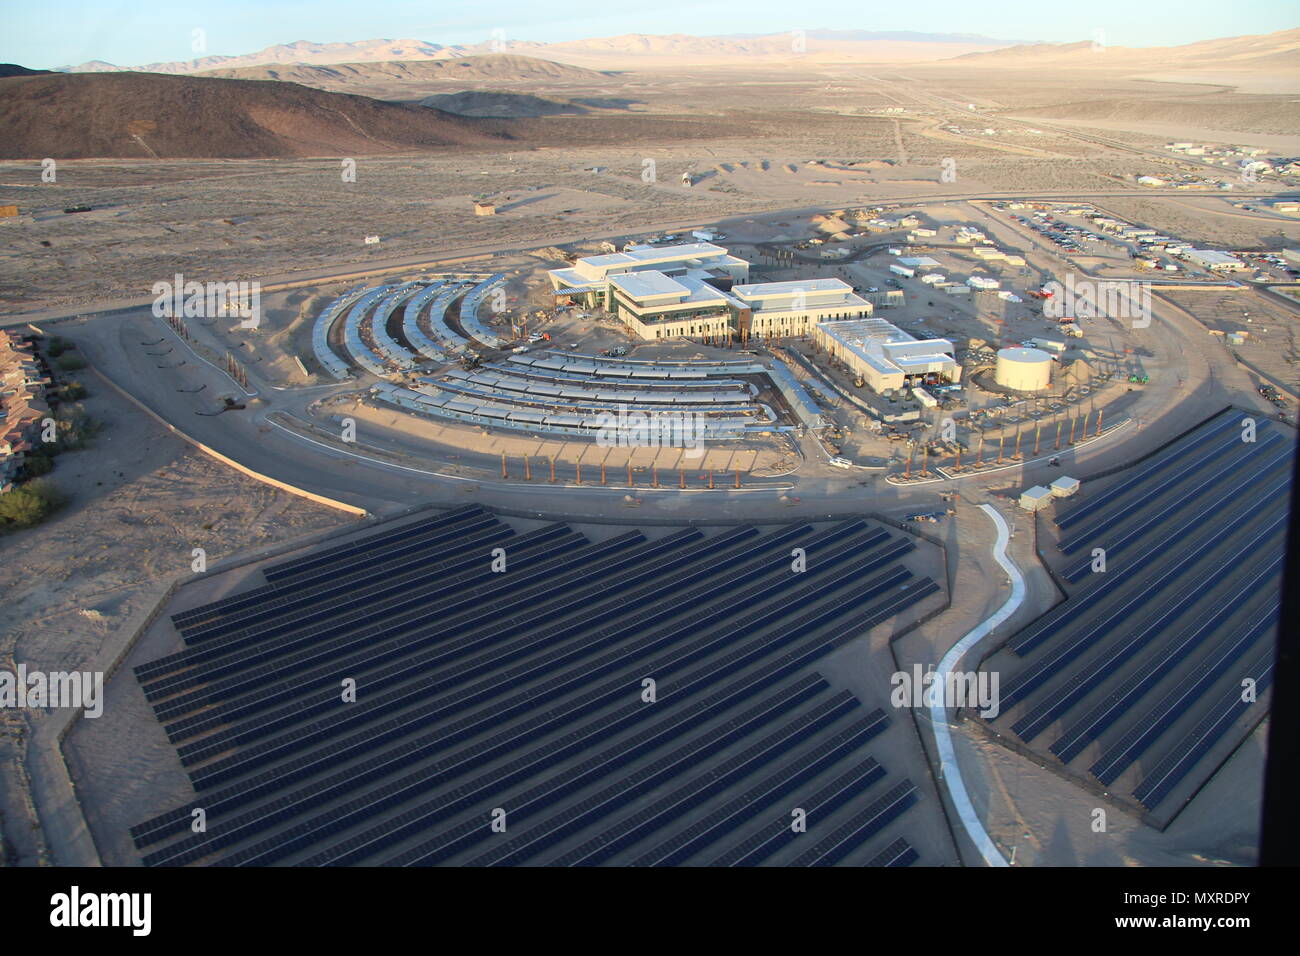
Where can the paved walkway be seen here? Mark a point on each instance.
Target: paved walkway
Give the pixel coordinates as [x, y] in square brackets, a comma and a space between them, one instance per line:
[950, 770]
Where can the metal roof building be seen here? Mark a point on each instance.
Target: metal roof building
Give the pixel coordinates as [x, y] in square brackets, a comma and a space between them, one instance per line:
[884, 355]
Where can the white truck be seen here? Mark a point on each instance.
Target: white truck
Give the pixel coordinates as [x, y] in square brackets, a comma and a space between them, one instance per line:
[902, 271]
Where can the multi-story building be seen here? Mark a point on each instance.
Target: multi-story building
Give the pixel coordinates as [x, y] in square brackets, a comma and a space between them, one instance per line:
[589, 280]
[691, 292]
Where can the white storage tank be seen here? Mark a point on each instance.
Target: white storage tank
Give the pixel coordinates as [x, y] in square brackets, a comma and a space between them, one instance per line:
[1025, 370]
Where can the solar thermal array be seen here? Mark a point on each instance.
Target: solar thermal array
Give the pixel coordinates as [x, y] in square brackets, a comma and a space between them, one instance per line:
[1175, 571]
[470, 320]
[361, 352]
[634, 700]
[320, 335]
[411, 331]
[585, 420]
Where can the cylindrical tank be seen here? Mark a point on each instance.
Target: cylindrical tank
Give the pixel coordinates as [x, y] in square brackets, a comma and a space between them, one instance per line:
[1025, 370]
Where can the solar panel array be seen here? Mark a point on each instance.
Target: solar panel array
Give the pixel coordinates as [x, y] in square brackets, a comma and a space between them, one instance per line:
[1175, 570]
[320, 335]
[394, 354]
[555, 417]
[357, 348]
[483, 696]
[470, 320]
[411, 331]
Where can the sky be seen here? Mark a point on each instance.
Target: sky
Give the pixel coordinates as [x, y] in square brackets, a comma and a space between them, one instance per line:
[55, 33]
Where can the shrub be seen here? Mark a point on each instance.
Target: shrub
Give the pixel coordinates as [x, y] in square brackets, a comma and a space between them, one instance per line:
[74, 427]
[36, 464]
[29, 504]
[70, 363]
[74, 391]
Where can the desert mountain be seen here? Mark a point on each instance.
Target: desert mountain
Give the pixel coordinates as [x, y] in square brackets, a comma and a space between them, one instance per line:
[303, 51]
[1268, 51]
[489, 67]
[13, 69]
[847, 45]
[139, 115]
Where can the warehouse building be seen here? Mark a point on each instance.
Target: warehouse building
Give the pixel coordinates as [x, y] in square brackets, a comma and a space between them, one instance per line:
[885, 356]
[1216, 261]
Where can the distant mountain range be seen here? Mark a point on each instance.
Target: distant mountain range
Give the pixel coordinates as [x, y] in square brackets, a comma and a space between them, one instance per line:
[1279, 50]
[834, 44]
[506, 67]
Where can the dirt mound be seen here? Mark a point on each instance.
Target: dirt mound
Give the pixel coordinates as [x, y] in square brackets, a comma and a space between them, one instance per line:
[133, 115]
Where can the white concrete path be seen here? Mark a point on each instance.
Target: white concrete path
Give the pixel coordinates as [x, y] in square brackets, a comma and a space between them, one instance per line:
[949, 769]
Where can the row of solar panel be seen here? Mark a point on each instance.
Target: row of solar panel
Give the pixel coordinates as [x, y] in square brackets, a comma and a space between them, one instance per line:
[664, 769]
[330, 560]
[262, 648]
[414, 335]
[320, 334]
[589, 365]
[398, 642]
[577, 402]
[745, 689]
[373, 543]
[688, 798]
[1196, 607]
[226, 653]
[1138, 592]
[772, 688]
[494, 633]
[324, 662]
[1143, 479]
[898, 853]
[392, 353]
[469, 312]
[1204, 528]
[1180, 700]
[360, 352]
[449, 405]
[696, 837]
[434, 547]
[516, 372]
[512, 386]
[520, 676]
[1198, 741]
[1169, 498]
[1142, 679]
[448, 340]
[660, 364]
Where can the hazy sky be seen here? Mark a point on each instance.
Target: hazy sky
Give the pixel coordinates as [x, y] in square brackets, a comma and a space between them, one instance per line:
[57, 33]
